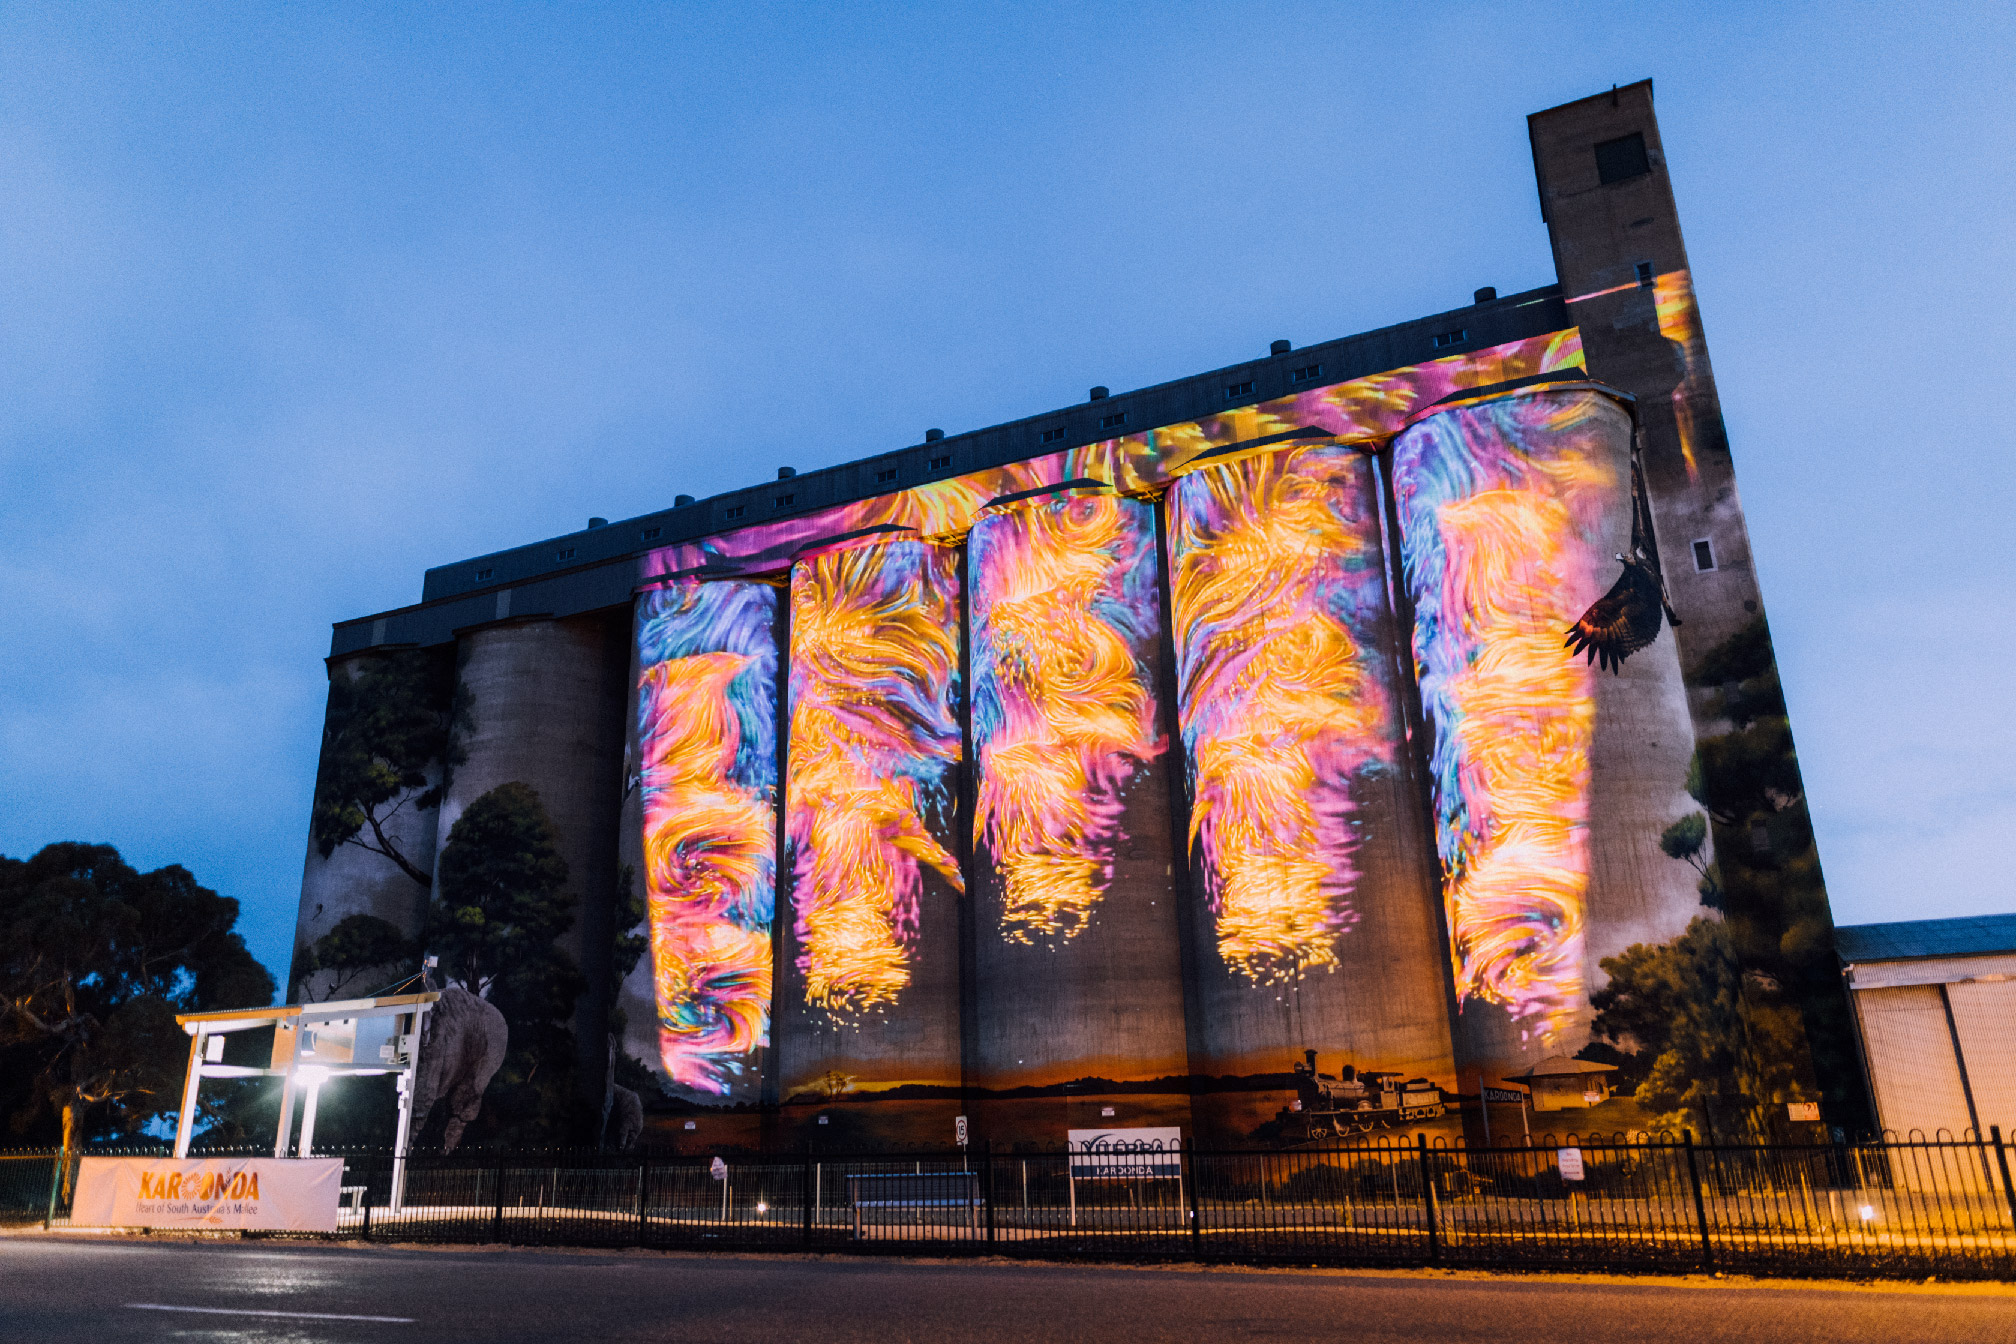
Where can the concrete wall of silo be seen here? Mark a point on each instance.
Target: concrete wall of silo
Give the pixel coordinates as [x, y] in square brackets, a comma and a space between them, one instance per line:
[1383, 1003]
[890, 1074]
[1639, 742]
[1057, 1011]
[352, 880]
[546, 700]
[634, 1025]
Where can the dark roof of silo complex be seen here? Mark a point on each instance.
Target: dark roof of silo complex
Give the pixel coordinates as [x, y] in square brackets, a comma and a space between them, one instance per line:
[597, 568]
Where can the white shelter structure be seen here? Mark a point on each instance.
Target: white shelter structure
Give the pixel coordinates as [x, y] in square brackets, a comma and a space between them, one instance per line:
[313, 1043]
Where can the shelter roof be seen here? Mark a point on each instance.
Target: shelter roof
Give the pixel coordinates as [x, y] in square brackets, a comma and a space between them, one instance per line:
[1560, 1066]
[1968, 936]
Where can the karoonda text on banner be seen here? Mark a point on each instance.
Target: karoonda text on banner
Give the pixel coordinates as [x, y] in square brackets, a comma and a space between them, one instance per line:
[260, 1194]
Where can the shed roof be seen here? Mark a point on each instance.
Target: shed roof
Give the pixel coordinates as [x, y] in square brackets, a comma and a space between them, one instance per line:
[1968, 936]
[1561, 1067]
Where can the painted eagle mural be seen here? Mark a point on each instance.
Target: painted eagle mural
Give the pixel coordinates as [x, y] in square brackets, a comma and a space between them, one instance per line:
[1623, 620]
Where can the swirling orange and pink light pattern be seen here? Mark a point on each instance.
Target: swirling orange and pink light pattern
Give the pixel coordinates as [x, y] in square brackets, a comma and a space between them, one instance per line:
[1277, 575]
[1360, 410]
[1680, 323]
[707, 751]
[1065, 615]
[1502, 506]
[875, 739]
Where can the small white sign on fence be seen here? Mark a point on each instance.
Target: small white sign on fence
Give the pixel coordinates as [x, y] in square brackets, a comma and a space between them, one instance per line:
[1570, 1162]
[718, 1169]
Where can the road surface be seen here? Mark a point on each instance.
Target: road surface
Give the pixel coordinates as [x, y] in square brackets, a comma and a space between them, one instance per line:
[109, 1292]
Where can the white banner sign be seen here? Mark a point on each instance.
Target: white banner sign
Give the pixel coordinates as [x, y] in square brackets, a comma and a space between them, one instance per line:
[256, 1194]
[1125, 1154]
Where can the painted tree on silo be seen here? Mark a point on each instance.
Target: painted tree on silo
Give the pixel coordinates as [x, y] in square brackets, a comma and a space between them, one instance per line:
[501, 905]
[386, 727]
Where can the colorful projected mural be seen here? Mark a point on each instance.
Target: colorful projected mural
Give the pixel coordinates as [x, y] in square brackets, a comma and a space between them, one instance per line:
[1502, 506]
[1680, 323]
[1065, 612]
[707, 752]
[875, 738]
[1280, 701]
[1362, 410]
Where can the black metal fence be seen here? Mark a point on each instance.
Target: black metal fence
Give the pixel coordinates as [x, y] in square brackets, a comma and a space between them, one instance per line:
[1913, 1207]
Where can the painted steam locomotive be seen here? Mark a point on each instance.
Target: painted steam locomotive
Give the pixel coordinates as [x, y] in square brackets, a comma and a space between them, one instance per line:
[1351, 1102]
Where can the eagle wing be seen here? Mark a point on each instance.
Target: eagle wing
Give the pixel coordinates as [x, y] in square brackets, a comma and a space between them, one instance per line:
[1622, 621]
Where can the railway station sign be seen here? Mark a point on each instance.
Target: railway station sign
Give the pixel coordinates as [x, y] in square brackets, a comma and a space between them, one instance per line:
[1125, 1154]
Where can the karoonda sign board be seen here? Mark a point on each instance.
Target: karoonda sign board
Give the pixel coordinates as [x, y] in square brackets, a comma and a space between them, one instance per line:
[254, 1194]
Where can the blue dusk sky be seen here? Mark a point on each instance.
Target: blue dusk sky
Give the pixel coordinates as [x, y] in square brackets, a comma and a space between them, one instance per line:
[298, 300]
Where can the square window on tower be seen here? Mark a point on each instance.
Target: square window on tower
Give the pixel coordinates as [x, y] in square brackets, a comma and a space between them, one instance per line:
[1704, 556]
[1622, 159]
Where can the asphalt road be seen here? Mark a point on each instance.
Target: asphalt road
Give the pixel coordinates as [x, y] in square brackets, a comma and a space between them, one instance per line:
[98, 1292]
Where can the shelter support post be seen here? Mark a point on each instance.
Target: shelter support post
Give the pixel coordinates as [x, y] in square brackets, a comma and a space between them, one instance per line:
[308, 1109]
[409, 1077]
[185, 1122]
[286, 1130]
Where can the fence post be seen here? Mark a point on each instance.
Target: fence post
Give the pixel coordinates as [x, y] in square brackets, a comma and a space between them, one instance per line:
[987, 1183]
[805, 1193]
[643, 1196]
[1700, 1205]
[1428, 1200]
[497, 1226]
[2002, 1161]
[366, 1200]
[55, 1185]
[1196, 1218]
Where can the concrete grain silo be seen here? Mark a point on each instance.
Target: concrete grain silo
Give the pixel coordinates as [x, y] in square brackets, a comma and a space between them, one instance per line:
[546, 700]
[1313, 908]
[1552, 778]
[1078, 963]
[869, 1004]
[354, 880]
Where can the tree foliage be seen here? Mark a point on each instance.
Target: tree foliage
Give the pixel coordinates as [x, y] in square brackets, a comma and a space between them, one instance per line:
[386, 727]
[501, 908]
[1717, 1051]
[361, 949]
[1772, 891]
[95, 961]
[1687, 841]
[632, 941]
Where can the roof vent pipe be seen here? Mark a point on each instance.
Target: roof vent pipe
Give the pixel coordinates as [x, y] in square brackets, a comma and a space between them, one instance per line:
[786, 473]
[1279, 348]
[598, 522]
[1098, 394]
[681, 501]
[1486, 294]
[933, 435]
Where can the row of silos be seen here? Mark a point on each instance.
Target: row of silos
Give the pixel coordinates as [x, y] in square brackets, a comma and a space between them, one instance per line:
[1104, 811]
[1133, 801]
